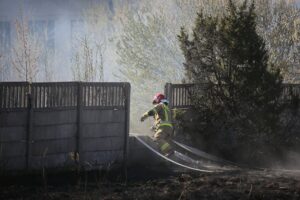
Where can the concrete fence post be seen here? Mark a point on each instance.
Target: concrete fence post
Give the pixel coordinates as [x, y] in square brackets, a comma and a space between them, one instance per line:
[78, 157]
[29, 127]
[169, 94]
[127, 89]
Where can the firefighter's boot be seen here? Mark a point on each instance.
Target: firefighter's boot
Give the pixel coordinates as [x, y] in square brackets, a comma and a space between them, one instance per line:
[165, 148]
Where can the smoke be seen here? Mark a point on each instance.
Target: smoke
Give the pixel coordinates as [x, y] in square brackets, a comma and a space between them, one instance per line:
[104, 18]
[291, 161]
[63, 15]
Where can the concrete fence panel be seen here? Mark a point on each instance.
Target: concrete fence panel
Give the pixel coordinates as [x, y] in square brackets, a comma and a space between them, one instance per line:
[50, 125]
[180, 95]
[13, 125]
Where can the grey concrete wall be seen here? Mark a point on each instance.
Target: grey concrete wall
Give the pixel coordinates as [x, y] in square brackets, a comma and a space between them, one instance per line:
[13, 127]
[102, 136]
[140, 155]
[61, 120]
[53, 138]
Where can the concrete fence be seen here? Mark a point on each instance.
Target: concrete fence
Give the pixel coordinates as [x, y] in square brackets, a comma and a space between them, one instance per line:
[180, 95]
[62, 124]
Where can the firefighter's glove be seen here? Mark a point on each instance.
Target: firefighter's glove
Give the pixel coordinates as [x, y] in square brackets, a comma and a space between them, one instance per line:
[152, 128]
[143, 118]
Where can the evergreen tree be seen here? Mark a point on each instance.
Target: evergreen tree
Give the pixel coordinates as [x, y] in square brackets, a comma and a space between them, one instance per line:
[242, 93]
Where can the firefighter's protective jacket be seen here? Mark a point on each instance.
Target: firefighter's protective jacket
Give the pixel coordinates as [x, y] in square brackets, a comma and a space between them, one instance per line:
[161, 114]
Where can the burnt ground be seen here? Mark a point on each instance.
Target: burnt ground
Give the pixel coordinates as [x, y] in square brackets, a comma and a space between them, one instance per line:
[143, 184]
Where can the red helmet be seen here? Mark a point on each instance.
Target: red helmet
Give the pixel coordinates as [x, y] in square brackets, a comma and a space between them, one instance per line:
[157, 98]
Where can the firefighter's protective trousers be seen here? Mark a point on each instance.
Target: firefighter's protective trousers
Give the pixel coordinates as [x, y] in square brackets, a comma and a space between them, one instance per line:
[163, 126]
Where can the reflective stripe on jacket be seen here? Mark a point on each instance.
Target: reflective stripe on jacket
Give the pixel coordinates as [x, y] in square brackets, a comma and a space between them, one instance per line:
[162, 115]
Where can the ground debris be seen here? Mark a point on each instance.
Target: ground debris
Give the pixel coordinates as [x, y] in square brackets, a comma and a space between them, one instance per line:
[239, 185]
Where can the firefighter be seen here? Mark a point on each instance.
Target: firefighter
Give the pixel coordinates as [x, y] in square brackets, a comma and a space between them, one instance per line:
[163, 127]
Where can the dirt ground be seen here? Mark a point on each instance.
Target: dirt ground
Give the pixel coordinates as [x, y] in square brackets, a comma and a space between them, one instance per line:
[233, 185]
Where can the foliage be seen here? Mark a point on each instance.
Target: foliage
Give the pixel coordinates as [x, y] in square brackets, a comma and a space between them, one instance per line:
[88, 60]
[26, 51]
[243, 90]
[149, 55]
[279, 24]
[30, 55]
[89, 45]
